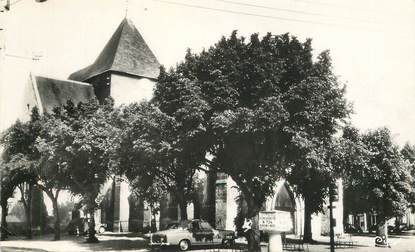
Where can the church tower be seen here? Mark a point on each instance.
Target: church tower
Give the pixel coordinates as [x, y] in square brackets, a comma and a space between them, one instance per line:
[126, 69]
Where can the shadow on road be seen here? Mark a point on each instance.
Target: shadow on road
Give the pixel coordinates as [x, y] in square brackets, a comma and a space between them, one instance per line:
[16, 249]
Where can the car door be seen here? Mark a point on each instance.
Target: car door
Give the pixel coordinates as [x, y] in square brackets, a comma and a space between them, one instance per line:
[211, 235]
[197, 233]
[202, 234]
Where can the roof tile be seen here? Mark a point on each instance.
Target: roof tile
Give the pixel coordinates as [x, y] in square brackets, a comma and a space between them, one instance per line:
[125, 52]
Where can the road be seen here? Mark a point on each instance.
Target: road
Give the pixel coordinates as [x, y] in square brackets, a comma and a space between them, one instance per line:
[129, 243]
[14, 249]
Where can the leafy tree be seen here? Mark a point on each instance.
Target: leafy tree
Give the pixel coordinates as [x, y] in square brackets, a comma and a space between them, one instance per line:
[76, 145]
[34, 165]
[157, 155]
[20, 160]
[408, 153]
[52, 176]
[259, 106]
[350, 156]
[390, 180]
[383, 185]
[7, 189]
[312, 175]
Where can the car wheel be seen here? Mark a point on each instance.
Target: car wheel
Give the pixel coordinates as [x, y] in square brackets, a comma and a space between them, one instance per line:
[101, 230]
[184, 245]
[227, 243]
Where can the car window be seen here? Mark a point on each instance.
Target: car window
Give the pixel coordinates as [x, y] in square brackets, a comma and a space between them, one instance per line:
[176, 225]
[205, 225]
[173, 226]
[195, 226]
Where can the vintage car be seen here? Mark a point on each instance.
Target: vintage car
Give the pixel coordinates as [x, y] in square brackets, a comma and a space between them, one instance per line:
[193, 232]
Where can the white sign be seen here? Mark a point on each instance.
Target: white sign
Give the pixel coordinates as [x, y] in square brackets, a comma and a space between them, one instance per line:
[280, 221]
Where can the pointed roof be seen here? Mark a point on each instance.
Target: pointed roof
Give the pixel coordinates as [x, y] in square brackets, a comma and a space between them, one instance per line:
[125, 52]
[50, 93]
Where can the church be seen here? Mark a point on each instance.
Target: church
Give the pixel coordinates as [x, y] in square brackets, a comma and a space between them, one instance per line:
[127, 70]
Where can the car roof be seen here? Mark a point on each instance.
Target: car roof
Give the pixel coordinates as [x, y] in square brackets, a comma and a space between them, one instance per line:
[185, 222]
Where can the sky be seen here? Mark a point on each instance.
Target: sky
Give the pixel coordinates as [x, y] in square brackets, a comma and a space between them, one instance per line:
[372, 43]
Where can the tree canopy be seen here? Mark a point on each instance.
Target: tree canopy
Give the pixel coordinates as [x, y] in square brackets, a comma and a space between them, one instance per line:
[20, 158]
[383, 184]
[78, 141]
[257, 106]
[157, 155]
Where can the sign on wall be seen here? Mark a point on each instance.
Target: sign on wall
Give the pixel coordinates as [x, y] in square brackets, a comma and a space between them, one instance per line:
[275, 221]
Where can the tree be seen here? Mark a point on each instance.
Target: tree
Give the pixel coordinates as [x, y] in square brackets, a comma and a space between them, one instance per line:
[51, 178]
[408, 153]
[384, 184]
[355, 156]
[7, 189]
[157, 155]
[20, 159]
[76, 144]
[260, 102]
[33, 163]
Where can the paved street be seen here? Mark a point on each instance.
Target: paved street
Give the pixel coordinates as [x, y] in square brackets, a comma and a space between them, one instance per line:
[73, 243]
[365, 243]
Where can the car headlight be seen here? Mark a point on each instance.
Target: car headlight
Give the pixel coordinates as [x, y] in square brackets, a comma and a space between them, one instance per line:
[156, 238]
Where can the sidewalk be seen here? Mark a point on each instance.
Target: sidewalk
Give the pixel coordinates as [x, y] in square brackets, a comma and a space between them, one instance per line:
[77, 244]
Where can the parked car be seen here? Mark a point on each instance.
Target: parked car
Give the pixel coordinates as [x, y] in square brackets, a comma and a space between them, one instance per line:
[188, 233]
[349, 228]
[393, 229]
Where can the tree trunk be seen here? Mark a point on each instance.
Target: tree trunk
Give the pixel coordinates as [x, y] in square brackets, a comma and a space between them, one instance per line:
[27, 203]
[209, 209]
[382, 229]
[54, 199]
[57, 235]
[3, 221]
[253, 235]
[196, 206]
[91, 229]
[28, 210]
[183, 207]
[397, 225]
[308, 235]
